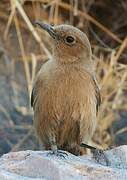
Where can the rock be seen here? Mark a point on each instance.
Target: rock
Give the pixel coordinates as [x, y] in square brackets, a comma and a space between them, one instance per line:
[39, 165]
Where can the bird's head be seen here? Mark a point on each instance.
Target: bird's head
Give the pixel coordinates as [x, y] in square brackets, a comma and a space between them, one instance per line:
[70, 45]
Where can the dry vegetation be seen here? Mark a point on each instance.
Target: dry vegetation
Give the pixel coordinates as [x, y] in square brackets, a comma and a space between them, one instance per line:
[23, 49]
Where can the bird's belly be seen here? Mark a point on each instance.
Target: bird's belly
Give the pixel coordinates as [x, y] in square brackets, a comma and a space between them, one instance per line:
[67, 110]
[67, 113]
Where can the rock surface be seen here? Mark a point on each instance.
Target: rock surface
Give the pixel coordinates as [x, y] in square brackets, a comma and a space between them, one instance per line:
[29, 165]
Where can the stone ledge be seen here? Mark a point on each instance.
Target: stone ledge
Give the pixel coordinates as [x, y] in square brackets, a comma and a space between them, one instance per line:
[29, 165]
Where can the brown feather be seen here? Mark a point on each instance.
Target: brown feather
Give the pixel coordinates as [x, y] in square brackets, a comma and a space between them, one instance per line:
[65, 99]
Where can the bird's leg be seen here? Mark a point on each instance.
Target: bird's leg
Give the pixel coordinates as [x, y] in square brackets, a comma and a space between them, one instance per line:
[98, 154]
[55, 151]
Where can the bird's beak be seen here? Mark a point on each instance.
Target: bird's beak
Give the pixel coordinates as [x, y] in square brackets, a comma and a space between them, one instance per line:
[48, 28]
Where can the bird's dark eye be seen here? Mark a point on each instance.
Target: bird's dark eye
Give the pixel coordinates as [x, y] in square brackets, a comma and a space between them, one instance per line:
[70, 40]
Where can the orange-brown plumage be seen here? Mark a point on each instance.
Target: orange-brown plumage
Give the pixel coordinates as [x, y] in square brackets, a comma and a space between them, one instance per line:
[65, 95]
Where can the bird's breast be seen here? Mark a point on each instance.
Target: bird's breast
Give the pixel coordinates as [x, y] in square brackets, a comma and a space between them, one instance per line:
[68, 91]
[66, 105]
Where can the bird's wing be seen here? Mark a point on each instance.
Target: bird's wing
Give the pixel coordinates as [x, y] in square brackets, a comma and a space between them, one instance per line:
[36, 86]
[35, 89]
[97, 92]
[33, 97]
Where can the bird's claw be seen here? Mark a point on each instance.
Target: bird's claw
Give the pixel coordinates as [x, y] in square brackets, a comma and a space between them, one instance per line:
[58, 153]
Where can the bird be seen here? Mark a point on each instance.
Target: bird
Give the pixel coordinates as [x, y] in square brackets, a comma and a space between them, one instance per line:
[65, 95]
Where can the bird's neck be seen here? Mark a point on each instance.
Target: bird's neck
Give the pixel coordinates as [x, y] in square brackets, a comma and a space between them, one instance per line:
[69, 62]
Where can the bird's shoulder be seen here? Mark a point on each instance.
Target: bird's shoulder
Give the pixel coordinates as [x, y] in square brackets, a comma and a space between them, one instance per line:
[39, 80]
[96, 88]
[93, 86]
[97, 93]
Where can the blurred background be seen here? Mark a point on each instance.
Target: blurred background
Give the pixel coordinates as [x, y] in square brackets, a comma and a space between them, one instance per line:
[23, 49]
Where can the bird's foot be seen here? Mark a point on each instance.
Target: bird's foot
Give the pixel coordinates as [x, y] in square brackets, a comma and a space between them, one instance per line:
[58, 153]
[100, 157]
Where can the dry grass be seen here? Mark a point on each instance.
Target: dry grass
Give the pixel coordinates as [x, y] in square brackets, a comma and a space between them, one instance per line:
[109, 43]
